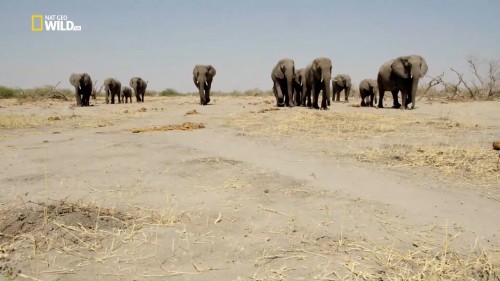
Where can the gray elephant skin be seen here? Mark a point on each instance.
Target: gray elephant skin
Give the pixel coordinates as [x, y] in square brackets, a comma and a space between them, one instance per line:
[112, 87]
[401, 74]
[318, 76]
[83, 88]
[368, 89]
[126, 94]
[203, 75]
[341, 82]
[139, 86]
[283, 75]
[299, 82]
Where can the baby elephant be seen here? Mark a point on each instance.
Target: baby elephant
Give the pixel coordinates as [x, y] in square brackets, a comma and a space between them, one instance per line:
[368, 88]
[112, 87]
[341, 82]
[126, 94]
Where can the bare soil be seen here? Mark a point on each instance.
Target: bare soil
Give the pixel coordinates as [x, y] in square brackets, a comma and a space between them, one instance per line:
[242, 190]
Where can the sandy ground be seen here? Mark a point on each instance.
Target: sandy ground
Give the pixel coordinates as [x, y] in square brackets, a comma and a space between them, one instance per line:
[107, 193]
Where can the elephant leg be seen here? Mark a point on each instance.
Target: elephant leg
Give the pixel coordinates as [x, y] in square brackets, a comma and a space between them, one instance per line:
[381, 93]
[77, 96]
[396, 103]
[303, 94]
[279, 94]
[325, 101]
[346, 91]
[315, 93]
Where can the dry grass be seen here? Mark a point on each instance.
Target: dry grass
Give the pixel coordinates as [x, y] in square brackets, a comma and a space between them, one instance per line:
[75, 121]
[23, 121]
[186, 126]
[192, 112]
[92, 236]
[474, 164]
[318, 125]
[86, 234]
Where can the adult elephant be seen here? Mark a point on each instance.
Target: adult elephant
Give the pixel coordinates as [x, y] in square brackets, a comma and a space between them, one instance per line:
[126, 94]
[368, 89]
[341, 82]
[318, 76]
[282, 76]
[299, 82]
[112, 87]
[139, 86]
[203, 75]
[401, 74]
[83, 88]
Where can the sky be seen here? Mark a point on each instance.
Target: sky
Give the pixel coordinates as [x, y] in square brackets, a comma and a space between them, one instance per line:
[161, 41]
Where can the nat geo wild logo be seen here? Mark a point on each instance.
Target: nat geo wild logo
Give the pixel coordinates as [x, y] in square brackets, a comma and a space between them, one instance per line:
[53, 23]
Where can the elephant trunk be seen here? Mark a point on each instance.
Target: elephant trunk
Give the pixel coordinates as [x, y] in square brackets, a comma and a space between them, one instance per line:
[327, 87]
[415, 76]
[201, 88]
[289, 89]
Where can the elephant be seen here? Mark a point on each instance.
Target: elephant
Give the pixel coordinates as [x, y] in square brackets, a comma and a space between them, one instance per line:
[126, 94]
[203, 75]
[112, 87]
[318, 76]
[299, 82]
[283, 75]
[341, 82]
[83, 88]
[401, 74]
[368, 88]
[139, 86]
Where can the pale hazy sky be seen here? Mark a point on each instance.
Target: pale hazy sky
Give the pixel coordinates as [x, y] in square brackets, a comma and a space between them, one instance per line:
[161, 41]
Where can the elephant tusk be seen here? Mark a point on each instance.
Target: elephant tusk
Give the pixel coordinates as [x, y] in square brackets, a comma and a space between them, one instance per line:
[206, 83]
[321, 80]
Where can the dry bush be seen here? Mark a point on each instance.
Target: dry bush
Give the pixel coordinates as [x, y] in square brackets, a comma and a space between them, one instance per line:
[484, 83]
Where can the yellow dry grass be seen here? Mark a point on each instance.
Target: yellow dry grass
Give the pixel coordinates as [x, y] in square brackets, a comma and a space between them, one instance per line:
[23, 121]
[319, 125]
[475, 164]
[186, 126]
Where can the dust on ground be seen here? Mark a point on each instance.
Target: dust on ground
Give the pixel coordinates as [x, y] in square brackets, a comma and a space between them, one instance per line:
[259, 193]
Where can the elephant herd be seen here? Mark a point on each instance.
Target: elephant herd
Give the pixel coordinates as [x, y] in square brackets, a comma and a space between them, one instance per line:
[293, 87]
[112, 88]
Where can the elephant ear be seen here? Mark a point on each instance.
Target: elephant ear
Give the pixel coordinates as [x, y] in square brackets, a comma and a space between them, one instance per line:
[340, 81]
[315, 68]
[211, 70]
[398, 67]
[278, 71]
[423, 68]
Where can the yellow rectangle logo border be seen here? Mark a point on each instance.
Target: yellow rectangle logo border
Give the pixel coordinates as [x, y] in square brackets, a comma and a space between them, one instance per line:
[33, 17]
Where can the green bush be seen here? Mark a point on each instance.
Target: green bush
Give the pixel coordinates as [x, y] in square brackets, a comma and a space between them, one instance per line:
[169, 92]
[8, 93]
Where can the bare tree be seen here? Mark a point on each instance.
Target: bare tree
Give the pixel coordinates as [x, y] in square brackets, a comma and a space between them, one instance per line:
[486, 85]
